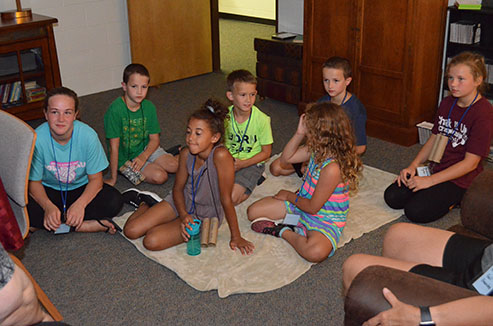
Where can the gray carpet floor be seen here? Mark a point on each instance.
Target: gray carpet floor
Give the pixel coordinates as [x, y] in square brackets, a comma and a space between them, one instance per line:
[98, 279]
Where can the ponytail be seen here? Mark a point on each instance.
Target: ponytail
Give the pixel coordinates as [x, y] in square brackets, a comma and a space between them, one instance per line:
[214, 113]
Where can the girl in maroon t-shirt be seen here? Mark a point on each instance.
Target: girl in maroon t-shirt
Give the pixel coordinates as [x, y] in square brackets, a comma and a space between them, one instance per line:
[465, 122]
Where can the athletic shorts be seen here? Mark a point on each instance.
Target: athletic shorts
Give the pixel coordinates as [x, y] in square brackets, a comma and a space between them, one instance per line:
[320, 223]
[249, 176]
[461, 262]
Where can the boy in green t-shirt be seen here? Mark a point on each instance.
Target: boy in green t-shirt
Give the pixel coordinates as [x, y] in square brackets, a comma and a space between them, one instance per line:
[132, 131]
[248, 134]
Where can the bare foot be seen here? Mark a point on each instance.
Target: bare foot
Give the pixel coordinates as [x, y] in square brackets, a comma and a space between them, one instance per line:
[94, 226]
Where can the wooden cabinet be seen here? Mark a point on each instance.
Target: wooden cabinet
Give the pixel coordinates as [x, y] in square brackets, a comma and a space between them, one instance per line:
[279, 68]
[28, 65]
[395, 48]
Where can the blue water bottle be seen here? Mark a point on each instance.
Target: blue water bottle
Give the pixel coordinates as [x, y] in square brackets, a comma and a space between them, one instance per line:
[193, 244]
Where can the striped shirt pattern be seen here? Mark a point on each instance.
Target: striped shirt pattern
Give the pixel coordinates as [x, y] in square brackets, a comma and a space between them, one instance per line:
[331, 218]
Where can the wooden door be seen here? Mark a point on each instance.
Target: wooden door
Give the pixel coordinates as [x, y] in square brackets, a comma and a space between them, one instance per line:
[382, 58]
[171, 38]
[328, 31]
[398, 59]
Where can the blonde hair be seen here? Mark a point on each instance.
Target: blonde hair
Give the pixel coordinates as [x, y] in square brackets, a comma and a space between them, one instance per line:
[475, 62]
[330, 134]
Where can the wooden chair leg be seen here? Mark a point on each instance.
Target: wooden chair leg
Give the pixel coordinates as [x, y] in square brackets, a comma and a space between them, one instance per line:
[42, 297]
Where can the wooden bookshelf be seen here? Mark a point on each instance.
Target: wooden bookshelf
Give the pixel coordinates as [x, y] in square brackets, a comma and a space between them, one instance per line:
[279, 68]
[27, 56]
[483, 17]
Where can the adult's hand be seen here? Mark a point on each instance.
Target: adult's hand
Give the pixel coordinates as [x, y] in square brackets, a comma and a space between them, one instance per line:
[400, 314]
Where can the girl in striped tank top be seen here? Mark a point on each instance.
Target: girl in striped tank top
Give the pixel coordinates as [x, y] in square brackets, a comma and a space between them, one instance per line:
[322, 202]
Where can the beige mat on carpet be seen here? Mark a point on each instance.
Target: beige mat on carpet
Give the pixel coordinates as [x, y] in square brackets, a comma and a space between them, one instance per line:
[274, 263]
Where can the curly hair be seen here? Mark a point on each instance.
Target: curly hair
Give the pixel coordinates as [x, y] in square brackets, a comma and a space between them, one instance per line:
[330, 134]
[214, 113]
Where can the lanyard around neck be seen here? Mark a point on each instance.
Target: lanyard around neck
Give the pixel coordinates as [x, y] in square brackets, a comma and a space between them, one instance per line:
[242, 137]
[193, 209]
[62, 193]
[463, 115]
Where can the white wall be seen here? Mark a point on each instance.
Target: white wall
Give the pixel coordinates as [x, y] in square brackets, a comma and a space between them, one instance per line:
[265, 9]
[290, 16]
[92, 40]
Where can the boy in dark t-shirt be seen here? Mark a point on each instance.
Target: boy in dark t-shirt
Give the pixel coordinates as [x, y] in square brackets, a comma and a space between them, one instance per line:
[336, 73]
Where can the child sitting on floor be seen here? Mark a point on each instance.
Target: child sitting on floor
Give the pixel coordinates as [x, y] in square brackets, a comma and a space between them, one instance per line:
[337, 75]
[132, 131]
[66, 190]
[202, 188]
[464, 127]
[248, 134]
[322, 203]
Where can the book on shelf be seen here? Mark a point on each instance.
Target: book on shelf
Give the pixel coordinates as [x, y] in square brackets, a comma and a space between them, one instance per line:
[11, 93]
[465, 32]
[489, 69]
[36, 93]
[5, 94]
[30, 84]
[468, 4]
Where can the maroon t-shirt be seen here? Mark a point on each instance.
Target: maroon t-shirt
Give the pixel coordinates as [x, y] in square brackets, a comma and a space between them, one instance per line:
[473, 135]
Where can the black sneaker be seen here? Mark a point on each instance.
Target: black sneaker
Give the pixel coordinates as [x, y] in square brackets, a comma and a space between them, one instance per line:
[131, 197]
[262, 178]
[297, 169]
[149, 198]
[174, 150]
[269, 227]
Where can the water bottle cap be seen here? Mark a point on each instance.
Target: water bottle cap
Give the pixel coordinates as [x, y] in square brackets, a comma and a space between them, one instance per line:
[195, 227]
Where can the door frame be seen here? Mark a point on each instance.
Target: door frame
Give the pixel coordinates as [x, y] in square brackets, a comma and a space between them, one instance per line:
[216, 58]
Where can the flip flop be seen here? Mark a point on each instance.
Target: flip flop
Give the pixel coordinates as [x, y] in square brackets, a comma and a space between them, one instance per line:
[117, 227]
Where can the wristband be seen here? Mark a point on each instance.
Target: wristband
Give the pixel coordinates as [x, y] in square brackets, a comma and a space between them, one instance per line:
[426, 317]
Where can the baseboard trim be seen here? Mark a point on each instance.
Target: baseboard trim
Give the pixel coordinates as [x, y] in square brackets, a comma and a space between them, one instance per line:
[248, 19]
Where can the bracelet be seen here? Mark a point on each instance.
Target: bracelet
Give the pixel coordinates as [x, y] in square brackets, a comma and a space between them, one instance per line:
[426, 316]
